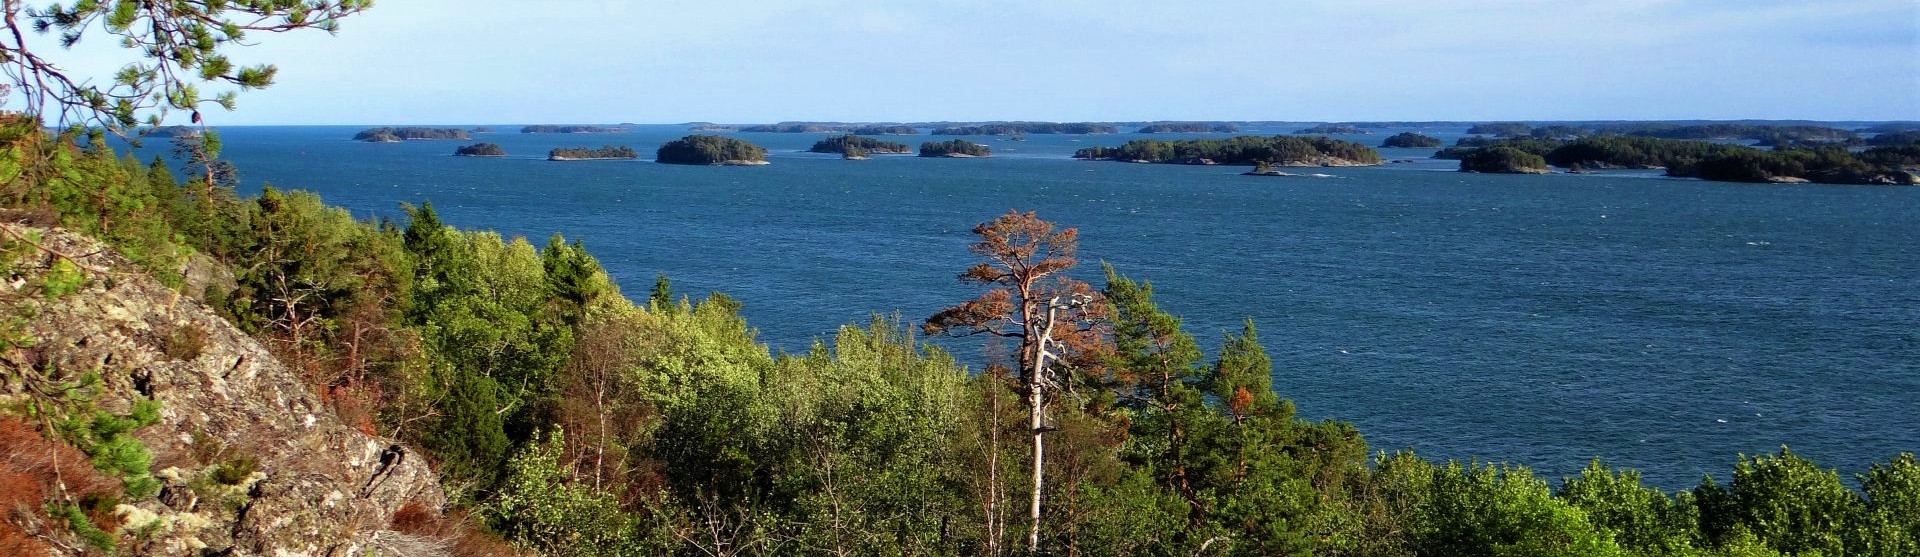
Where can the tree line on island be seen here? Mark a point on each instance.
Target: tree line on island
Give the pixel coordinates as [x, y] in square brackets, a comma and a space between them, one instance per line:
[1020, 128]
[1411, 140]
[395, 135]
[710, 150]
[1189, 127]
[550, 128]
[956, 148]
[480, 150]
[851, 144]
[566, 419]
[607, 152]
[1836, 164]
[1283, 150]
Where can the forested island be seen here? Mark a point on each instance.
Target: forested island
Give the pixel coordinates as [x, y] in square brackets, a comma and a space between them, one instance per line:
[1410, 140]
[482, 129]
[608, 152]
[1281, 150]
[550, 128]
[1501, 159]
[957, 148]
[1017, 128]
[480, 150]
[1332, 129]
[711, 150]
[1189, 127]
[865, 145]
[1833, 164]
[395, 135]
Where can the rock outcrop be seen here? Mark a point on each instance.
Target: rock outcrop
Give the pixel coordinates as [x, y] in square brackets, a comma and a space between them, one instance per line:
[318, 488]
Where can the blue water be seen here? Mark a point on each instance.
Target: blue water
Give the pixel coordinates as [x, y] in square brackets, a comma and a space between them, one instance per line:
[1660, 324]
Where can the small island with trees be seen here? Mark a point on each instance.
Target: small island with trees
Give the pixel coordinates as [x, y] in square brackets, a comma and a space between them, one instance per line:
[549, 128]
[1189, 127]
[1410, 140]
[1279, 150]
[480, 150]
[396, 135]
[1831, 163]
[608, 152]
[842, 143]
[958, 148]
[1500, 159]
[711, 150]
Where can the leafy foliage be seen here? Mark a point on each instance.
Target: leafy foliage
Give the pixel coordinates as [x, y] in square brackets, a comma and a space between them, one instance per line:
[181, 45]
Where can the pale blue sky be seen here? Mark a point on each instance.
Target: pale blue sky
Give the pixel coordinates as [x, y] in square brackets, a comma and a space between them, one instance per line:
[604, 61]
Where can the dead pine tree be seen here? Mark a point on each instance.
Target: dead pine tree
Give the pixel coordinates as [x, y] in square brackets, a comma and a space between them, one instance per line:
[1030, 300]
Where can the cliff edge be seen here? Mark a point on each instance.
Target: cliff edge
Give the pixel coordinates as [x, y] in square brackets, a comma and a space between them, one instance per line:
[247, 460]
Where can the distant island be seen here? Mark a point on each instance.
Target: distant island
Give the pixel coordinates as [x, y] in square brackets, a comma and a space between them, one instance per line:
[1503, 129]
[480, 150]
[1342, 129]
[171, 131]
[884, 129]
[841, 143]
[1018, 128]
[958, 148]
[481, 129]
[794, 127]
[608, 152]
[1189, 127]
[1895, 139]
[1410, 140]
[1501, 159]
[710, 127]
[549, 128]
[396, 135]
[1280, 150]
[711, 150]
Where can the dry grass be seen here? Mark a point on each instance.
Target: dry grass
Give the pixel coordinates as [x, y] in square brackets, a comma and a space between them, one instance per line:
[34, 470]
[458, 532]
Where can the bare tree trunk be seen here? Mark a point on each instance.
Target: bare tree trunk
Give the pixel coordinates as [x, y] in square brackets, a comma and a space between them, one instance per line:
[995, 532]
[1035, 397]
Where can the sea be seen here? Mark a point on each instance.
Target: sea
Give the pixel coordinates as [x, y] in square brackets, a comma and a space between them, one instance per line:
[1660, 324]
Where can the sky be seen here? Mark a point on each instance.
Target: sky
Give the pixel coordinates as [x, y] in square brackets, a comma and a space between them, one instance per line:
[739, 61]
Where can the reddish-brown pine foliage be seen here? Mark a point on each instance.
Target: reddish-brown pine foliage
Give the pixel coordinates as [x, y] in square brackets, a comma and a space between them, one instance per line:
[32, 470]
[1021, 253]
